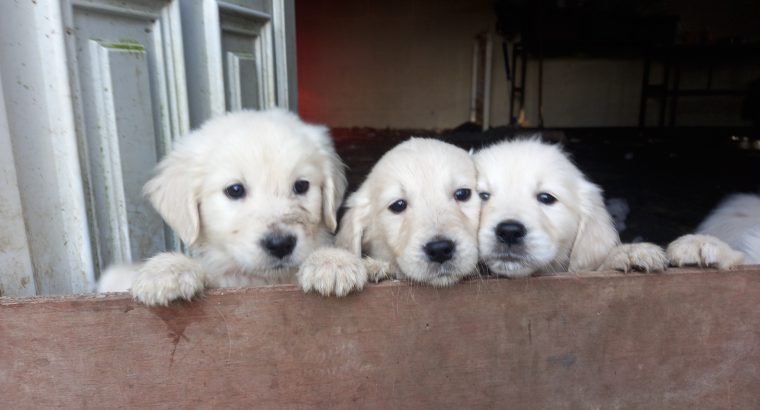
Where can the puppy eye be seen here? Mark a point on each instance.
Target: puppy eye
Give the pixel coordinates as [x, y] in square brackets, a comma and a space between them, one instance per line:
[398, 206]
[235, 191]
[484, 195]
[462, 194]
[546, 199]
[301, 186]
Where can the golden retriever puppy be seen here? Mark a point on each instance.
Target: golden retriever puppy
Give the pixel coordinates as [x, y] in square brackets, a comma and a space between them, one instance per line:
[415, 217]
[251, 193]
[541, 215]
[728, 237]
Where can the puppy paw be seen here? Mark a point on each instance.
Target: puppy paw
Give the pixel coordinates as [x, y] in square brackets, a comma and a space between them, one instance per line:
[704, 251]
[332, 271]
[639, 257]
[377, 270]
[167, 277]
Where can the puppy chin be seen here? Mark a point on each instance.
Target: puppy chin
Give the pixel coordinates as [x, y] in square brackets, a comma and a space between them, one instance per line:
[510, 268]
[257, 263]
[272, 264]
[443, 281]
[435, 274]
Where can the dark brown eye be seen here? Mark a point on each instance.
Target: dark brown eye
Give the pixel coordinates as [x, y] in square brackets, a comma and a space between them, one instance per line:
[462, 195]
[398, 206]
[301, 187]
[485, 195]
[235, 191]
[546, 199]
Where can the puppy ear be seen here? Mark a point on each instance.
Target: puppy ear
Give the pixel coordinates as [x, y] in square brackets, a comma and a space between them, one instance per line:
[333, 191]
[333, 171]
[334, 187]
[596, 234]
[173, 191]
[354, 223]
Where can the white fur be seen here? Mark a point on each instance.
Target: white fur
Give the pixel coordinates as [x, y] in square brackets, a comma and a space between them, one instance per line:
[729, 236]
[704, 251]
[425, 173]
[573, 234]
[117, 278]
[266, 152]
[736, 221]
[646, 257]
[332, 271]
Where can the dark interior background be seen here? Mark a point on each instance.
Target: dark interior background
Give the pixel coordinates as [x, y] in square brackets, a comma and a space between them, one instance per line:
[657, 101]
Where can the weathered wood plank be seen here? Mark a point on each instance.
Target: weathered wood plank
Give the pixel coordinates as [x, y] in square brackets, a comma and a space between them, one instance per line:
[685, 339]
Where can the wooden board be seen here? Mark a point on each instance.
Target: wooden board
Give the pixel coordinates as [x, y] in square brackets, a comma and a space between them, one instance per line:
[685, 339]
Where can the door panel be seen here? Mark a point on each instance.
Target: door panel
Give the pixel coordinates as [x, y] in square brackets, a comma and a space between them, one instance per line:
[130, 152]
[241, 55]
[247, 39]
[131, 105]
[242, 93]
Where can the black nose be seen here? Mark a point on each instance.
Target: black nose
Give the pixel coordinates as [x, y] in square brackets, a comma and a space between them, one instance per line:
[510, 232]
[440, 250]
[279, 245]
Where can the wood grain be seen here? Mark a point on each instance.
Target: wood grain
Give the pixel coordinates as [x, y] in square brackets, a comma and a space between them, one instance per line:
[684, 339]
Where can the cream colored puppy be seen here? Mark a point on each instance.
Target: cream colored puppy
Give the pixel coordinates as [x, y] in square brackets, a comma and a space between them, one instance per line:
[728, 237]
[415, 217]
[251, 193]
[541, 215]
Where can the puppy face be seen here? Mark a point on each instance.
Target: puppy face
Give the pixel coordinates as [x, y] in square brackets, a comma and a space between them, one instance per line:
[418, 211]
[255, 189]
[539, 213]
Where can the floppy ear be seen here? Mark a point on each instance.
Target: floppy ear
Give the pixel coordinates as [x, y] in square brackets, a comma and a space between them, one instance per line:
[173, 191]
[354, 223]
[596, 234]
[333, 171]
[332, 192]
[333, 189]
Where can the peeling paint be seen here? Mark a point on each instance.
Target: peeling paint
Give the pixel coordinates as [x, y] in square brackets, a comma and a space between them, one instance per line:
[123, 45]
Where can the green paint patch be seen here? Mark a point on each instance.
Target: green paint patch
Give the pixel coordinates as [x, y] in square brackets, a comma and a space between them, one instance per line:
[121, 45]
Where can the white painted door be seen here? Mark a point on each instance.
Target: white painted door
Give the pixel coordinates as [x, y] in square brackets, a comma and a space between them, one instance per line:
[127, 66]
[120, 80]
[240, 54]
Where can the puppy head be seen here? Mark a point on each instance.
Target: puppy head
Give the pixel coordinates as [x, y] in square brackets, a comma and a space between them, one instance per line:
[255, 188]
[539, 211]
[417, 210]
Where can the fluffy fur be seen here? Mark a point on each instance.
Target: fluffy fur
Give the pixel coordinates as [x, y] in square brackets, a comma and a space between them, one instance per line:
[426, 174]
[729, 236]
[570, 231]
[736, 221]
[266, 153]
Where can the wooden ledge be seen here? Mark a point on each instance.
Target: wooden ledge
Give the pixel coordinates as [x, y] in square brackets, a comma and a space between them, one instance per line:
[683, 339]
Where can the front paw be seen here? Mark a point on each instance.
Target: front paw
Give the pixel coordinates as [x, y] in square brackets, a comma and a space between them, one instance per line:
[332, 271]
[378, 270]
[703, 250]
[167, 277]
[639, 257]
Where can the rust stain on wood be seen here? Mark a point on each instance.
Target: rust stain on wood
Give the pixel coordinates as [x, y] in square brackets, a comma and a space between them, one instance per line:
[176, 322]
